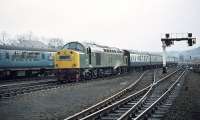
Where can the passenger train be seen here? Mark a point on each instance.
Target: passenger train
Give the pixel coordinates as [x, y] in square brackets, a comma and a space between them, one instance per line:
[81, 60]
[22, 61]
[75, 61]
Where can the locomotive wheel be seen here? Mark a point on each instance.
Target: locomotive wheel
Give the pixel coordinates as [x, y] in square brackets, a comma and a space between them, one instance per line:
[94, 74]
[89, 76]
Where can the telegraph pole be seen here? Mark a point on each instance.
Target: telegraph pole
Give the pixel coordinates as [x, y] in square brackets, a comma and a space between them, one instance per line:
[168, 40]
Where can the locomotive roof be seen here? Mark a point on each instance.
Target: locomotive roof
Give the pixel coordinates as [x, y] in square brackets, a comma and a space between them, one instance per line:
[100, 47]
[96, 47]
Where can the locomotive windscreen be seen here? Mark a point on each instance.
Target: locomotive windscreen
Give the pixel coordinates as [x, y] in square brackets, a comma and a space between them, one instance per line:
[74, 46]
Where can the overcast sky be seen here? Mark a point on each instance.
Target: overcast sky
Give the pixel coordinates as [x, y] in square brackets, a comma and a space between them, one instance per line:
[133, 24]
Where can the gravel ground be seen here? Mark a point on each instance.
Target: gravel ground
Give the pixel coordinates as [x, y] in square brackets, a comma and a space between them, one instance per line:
[62, 102]
[187, 104]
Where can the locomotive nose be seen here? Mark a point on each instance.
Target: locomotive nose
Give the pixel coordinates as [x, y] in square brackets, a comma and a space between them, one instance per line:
[67, 59]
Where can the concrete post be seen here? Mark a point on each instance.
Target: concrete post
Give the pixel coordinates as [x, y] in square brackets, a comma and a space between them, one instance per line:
[164, 57]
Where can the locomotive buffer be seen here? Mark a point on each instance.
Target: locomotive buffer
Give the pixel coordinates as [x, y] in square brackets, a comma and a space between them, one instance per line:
[168, 40]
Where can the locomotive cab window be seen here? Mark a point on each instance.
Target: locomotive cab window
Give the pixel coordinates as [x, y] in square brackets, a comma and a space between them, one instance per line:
[74, 46]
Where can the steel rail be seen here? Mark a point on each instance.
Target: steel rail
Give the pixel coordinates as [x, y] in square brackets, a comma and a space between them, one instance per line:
[109, 108]
[128, 114]
[14, 90]
[105, 102]
[139, 103]
[150, 109]
[25, 83]
[125, 100]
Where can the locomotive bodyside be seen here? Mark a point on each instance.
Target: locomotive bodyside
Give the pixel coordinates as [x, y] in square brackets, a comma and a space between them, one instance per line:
[92, 61]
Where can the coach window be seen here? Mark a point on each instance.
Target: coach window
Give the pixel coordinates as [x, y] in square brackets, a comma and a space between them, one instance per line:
[43, 56]
[23, 55]
[7, 55]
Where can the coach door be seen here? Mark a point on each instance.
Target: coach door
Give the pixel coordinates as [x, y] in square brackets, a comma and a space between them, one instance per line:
[127, 57]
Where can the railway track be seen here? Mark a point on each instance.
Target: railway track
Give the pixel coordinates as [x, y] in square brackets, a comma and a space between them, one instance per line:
[113, 102]
[13, 89]
[134, 106]
[159, 107]
[9, 90]
[139, 109]
[7, 81]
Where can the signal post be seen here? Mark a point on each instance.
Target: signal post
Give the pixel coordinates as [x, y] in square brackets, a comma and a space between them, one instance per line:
[168, 40]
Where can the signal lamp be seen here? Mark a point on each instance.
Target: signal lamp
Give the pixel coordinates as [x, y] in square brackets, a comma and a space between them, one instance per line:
[190, 42]
[168, 42]
[190, 35]
[194, 41]
[167, 35]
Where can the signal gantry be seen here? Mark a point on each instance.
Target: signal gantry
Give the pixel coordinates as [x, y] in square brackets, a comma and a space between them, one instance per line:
[169, 39]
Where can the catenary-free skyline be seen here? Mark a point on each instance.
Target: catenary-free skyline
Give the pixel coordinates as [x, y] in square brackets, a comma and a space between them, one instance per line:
[131, 24]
